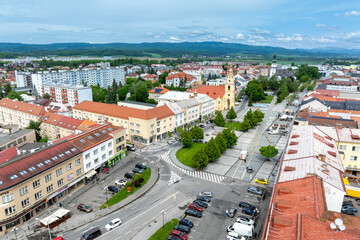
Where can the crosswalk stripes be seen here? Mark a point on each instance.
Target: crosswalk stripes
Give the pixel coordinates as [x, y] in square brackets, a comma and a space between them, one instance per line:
[198, 174]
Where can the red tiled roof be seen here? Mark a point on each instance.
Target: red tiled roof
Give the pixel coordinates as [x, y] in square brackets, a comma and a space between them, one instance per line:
[51, 118]
[69, 123]
[7, 154]
[212, 91]
[85, 125]
[22, 106]
[180, 75]
[23, 163]
[124, 112]
[163, 90]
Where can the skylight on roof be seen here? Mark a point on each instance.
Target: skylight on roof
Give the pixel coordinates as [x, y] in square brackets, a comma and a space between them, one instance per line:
[40, 164]
[61, 155]
[31, 169]
[103, 131]
[97, 134]
[110, 129]
[67, 152]
[1, 182]
[13, 177]
[23, 173]
[90, 137]
[73, 149]
[47, 161]
[54, 158]
[82, 140]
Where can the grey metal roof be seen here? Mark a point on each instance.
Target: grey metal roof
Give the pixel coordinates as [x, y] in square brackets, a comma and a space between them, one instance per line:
[5, 138]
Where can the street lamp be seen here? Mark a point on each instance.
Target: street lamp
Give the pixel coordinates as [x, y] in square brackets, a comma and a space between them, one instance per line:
[163, 213]
[47, 223]
[15, 229]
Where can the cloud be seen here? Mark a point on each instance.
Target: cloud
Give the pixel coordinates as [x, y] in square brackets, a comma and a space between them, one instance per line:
[173, 39]
[323, 40]
[326, 27]
[240, 36]
[352, 13]
[321, 25]
[294, 37]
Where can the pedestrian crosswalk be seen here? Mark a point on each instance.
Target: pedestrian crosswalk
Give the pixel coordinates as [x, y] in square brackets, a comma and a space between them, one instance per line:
[198, 174]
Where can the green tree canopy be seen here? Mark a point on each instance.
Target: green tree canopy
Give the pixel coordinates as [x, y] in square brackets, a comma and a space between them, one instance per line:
[99, 94]
[219, 120]
[142, 94]
[221, 142]
[230, 137]
[311, 71]
[186, 138]
[273, 83]
[111, 96]
[7, 89]
[255, 91]
[231, 114]
[46, 96]
[122, 92]
[197, 133]
[36, 126]
[200, 159]
[162, 78]
[15, 95]
[268, 151]
[212, 150]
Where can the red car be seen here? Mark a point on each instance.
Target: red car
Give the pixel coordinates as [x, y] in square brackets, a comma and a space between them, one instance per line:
[196, 207]
[179, 234]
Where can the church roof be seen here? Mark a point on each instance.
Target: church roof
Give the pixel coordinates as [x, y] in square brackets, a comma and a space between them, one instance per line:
[212, 91]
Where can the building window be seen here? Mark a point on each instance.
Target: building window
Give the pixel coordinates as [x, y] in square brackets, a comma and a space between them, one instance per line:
[9, 210]
[103, 156]
[68, 166]
[7, 198]
[59, 172]
[95, 151]
[78, 172]
[48, 177]
[70, 176]
[60, 182]
[88, 165]
[77, 162]
[102, 148]
[96, 161]
[110, 153]
[36, 183]
[342, 147]
[355, 149]
[109, 145]
[353, 158]
[87, 156]
[38, 195]
[25, 202]
[50, 188]
[23, 190]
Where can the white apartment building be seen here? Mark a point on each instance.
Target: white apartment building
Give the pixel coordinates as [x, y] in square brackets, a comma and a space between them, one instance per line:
[23, 79]
[178, 113]
[216, 82]
[100, 76]
[67, 93]
[191, 110]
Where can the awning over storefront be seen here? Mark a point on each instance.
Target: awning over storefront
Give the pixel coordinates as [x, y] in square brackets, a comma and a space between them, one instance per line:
[54, 217]
[90, 173]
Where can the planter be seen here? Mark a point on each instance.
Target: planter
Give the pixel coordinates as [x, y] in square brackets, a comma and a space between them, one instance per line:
[129, 189]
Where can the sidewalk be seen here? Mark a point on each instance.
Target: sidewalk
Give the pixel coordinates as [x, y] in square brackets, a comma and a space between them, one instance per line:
[79, 219]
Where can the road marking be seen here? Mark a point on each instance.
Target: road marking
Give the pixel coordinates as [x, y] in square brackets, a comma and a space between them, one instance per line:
[125, 233]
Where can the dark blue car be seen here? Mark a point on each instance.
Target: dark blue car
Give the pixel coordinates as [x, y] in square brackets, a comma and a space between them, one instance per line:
[348, 209]
[203, 198]
[249, 211]
[186, 222]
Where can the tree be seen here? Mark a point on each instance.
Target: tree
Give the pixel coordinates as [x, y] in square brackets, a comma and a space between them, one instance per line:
[15, 95]
[273, 83]
[186, 139]
[99, 94]
[245, 125]
[142, 94]
[111, 95]
[36, 126]
[7, 89]
[312, 72]
[219, 120]
[197, 133]
[46, 96]
[268, 151]
[258, 115]
[305, 78]
[200, 159]
[1, 91]
[264, 82]
[122, 92]
[179, 130]
[221, 142]
[169, 134]
[151, 101]
[231, 114]
[255, 91]
[162, 78]
[212, 150]
[115, 85]
[230, 137]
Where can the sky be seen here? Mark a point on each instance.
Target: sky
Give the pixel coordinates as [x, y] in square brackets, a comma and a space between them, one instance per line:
[280, 23]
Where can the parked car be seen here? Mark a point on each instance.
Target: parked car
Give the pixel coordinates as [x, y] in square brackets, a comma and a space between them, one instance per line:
[349, 209]
[141, 166]
[129, 175]
[177, 233]
[113, 224]
[84, 208]
[234, 236]
[249, 211]
[246, 205]
[138, 170]
[170, 142]
[245, 220]
[186, 222]
[130, 147]
[196, 207]
[255, 190]
[262, 181]
[121, 182]
[182, 228]
[249, 169]
[112, 188]
[273, 132]
[231, 213]
[173, 238]
[206, 194]
[193, 212]
[201, 203]
[91, 234]
[203, 198]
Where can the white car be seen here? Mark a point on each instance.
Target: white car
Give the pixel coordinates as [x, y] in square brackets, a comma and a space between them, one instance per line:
[244, 220]
[121, 182]
[206, 194]
[113, 224]
[234, 236]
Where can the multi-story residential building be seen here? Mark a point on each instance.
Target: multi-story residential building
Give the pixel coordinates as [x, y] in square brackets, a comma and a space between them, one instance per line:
[16, 138]
[179, 78]
[19, 113]
[191, 109]
[178, 112]
[151, 77]
[67, 93]
[144, 125]
[32, 182]
[155, 93]
[102, 146]
[99, 76]
[23, 79]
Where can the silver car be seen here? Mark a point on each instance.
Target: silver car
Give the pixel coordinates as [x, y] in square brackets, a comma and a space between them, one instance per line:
[206, 194]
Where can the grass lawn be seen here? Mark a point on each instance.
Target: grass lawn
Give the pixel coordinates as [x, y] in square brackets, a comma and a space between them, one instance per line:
[184, 155]
[233, 125]
[267, 99]
[163, 233]
[123, 193]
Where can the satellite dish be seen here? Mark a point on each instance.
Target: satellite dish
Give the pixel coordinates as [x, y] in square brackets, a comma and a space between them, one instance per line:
[342, 227]
[333, 226]
[338, 222]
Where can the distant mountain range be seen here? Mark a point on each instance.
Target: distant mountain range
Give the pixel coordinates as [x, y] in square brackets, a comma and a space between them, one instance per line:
[208, 49]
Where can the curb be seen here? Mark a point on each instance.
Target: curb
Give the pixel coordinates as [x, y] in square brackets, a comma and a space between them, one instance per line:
[157, 179]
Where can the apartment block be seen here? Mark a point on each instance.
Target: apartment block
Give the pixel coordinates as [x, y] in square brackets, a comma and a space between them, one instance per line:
[67, 93]
[141, 125]
[31, 183]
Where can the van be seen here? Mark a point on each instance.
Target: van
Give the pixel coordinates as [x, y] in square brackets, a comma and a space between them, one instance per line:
[130, 147]
[243, 155]
[242, 229]
[91, 234]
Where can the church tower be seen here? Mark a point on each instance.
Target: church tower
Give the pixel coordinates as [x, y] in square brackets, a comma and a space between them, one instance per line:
[229, 96]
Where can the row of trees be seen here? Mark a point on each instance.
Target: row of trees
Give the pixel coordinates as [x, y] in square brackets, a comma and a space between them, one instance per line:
[255, 91]
[251, 119]
[214, 148]
[286, 86]
[219, 119]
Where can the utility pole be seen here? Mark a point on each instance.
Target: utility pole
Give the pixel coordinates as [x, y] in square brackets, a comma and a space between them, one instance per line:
[163, 213]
